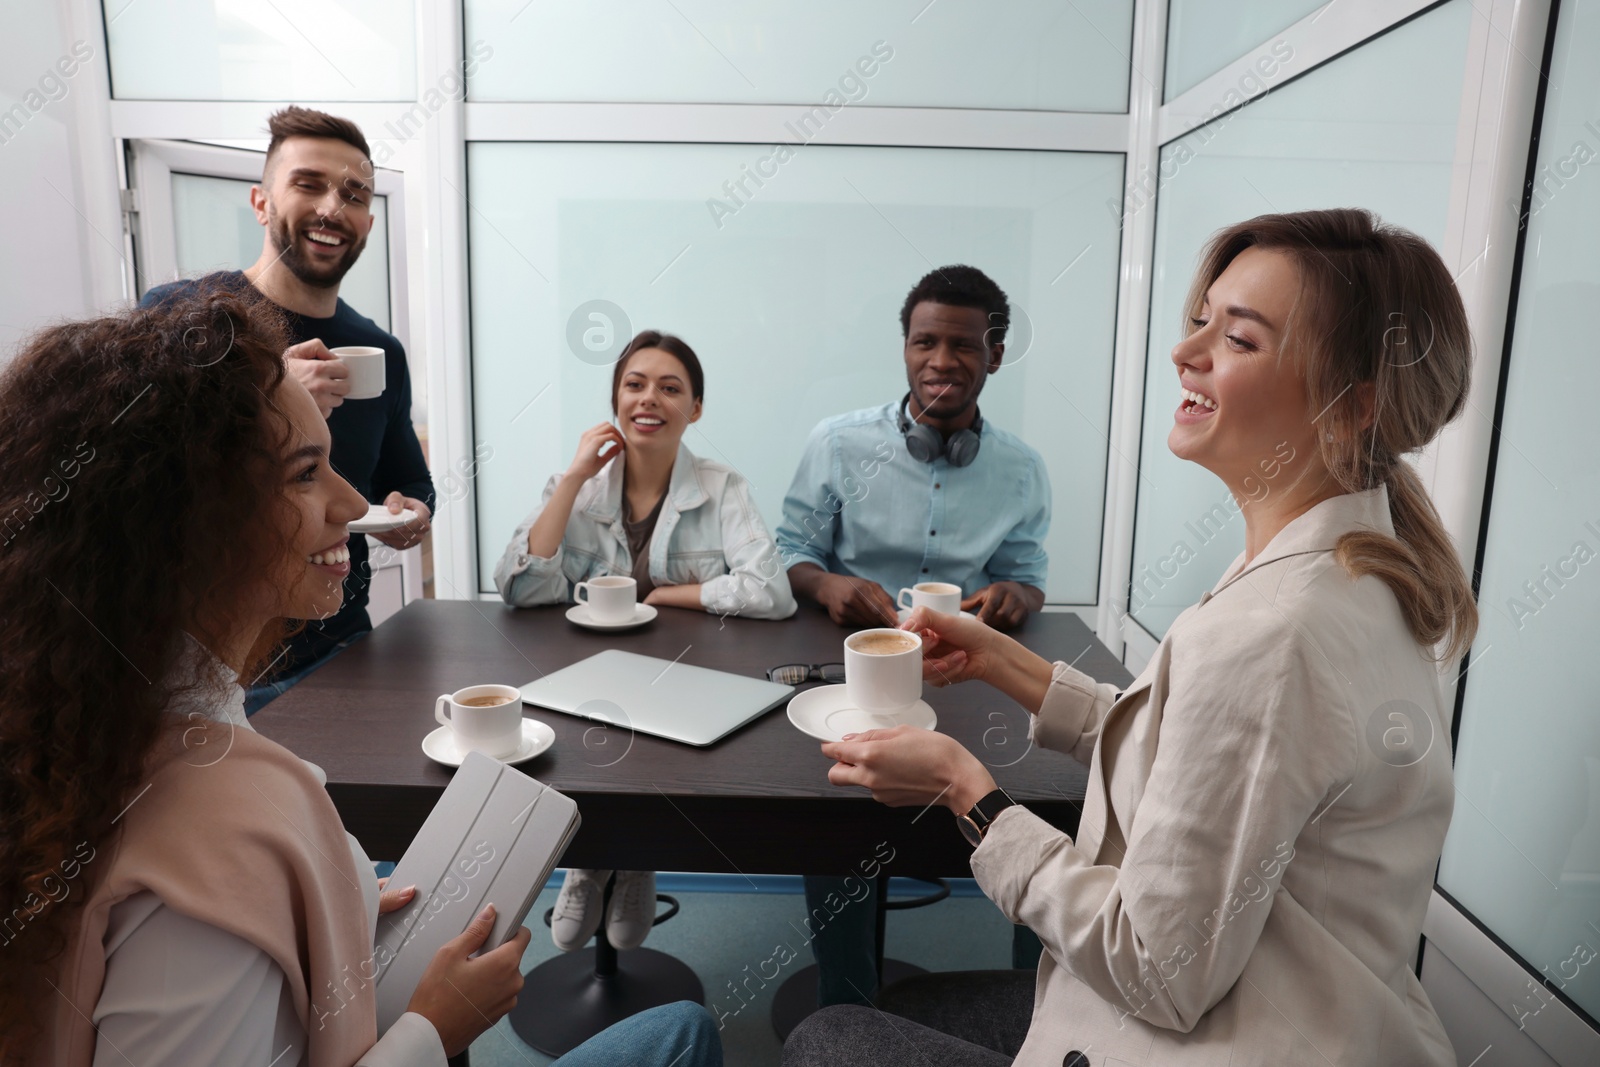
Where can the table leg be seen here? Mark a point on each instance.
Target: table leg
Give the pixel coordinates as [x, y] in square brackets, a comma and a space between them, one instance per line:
[567, 1000]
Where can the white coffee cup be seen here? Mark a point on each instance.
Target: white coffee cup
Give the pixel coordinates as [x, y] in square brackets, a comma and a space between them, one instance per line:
[493, 729]
[935, 596]
[366, 371]
[885, 678]
[609, 599]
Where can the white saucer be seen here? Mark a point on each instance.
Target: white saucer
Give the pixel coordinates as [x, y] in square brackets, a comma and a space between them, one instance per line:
[827, 714]
[378, 519]
[905, 613]
[579, 614]
[440, 745]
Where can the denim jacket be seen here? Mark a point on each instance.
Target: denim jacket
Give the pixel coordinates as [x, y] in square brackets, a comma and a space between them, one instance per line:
[709, 532]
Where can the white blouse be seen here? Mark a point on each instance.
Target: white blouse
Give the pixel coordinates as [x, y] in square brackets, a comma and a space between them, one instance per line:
[180, 991]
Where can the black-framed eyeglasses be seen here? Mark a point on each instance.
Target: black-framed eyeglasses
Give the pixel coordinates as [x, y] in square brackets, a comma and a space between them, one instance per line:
[798, 673]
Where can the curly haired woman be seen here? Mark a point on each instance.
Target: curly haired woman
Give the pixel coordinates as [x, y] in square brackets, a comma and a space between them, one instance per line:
[174, 888]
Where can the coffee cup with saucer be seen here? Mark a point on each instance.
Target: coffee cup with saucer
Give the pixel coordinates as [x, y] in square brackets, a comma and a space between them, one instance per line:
[882, 688]
[609, 602]
[486, 719]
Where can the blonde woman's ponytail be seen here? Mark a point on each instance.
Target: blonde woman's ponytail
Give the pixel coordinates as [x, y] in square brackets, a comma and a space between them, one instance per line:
[1419, 564]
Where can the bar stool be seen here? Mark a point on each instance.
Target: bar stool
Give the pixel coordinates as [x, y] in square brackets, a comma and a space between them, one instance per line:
[797, 997]
[567, 1000]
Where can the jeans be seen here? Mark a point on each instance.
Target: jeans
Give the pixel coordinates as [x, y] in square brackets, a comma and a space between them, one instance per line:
[673, 1035]
[257, 697]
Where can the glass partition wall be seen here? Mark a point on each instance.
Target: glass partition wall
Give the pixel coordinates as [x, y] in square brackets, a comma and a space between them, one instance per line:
[769, 182]
[1523, 855]
[792, 304]
[1374, 129]
[783, 253]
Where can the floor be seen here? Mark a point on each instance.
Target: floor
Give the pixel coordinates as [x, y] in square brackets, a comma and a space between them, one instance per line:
[720, 933]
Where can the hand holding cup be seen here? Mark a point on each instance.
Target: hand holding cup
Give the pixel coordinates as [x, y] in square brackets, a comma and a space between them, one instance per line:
[954, 647]
[325, 376]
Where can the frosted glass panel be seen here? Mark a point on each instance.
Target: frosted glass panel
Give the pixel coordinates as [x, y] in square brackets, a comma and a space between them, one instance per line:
[217, 230]
[247, 50]
[1523, 853]
[1030, 54]
[792, 304]
[1374, 129]
[1203, 36]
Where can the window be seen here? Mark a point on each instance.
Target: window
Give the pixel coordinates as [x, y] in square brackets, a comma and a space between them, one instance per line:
[1032, 54]
[243, 50]
[790, 293]
[1523, 855]
[1203, 35]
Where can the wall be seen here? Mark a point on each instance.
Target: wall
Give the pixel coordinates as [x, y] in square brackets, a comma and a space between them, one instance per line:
[55, 262]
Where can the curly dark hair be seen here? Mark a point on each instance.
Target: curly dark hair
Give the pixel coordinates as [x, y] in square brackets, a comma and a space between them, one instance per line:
[963, 287]
[141, 497]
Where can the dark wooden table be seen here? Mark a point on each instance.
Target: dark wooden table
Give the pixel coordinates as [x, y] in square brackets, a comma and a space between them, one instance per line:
[758, 801]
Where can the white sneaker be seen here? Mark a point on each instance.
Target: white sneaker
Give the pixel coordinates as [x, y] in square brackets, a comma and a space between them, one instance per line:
[633, 908]
[577, 914]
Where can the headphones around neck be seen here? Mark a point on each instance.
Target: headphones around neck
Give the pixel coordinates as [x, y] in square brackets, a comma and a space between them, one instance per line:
[927, 444]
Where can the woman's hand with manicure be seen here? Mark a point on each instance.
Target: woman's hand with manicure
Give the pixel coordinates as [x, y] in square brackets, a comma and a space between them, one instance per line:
[462, 996]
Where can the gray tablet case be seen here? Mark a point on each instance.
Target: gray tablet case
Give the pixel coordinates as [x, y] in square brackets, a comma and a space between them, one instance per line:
[666, 698]
[493, 837]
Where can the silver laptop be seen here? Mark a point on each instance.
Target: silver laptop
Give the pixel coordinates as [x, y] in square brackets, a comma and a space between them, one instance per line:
[695, 705]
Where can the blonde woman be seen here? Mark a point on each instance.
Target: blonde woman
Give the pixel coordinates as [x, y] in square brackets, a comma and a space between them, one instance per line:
[1256, 849]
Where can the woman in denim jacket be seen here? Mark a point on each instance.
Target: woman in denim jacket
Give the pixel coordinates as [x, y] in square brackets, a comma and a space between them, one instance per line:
[636, 502]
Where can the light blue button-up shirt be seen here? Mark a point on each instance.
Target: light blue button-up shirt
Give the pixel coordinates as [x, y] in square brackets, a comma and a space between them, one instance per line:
[860, 505]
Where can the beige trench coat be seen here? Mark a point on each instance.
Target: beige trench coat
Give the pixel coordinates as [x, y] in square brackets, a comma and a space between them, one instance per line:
[1265, 810]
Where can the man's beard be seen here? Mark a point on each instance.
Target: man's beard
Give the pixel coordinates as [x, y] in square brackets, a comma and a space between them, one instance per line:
[290, 256]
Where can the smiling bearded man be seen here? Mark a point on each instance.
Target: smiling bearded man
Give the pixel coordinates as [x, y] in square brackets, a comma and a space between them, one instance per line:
[315, 205]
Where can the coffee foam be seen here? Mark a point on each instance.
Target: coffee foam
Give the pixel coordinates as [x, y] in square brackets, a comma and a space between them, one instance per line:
[883, 644]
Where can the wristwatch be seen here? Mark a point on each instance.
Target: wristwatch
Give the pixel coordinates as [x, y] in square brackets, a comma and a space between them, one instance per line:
[975, 823]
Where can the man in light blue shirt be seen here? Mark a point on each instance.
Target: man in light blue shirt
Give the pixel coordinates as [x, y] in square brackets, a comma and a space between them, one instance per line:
[918, 490]
[865, 517]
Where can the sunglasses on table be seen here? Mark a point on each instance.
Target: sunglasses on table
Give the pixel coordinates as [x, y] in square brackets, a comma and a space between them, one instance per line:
[799, 673]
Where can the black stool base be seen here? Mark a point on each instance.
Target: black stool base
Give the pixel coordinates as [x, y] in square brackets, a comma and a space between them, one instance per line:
[564, 1002]
[797, 997]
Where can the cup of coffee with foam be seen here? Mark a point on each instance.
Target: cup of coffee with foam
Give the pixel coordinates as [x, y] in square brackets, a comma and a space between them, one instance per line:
[483, 718]
[609, 599]
[935, 596]
[883, 670]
